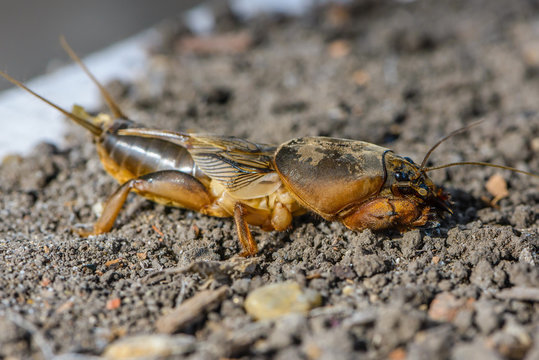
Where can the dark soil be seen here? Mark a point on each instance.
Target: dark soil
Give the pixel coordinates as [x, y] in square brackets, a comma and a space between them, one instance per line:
[399, 75]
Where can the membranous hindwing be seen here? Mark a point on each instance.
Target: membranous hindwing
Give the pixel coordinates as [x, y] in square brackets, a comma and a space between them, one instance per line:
[244, 168]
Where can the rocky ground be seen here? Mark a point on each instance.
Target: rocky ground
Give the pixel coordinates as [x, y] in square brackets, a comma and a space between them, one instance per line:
[401, 75]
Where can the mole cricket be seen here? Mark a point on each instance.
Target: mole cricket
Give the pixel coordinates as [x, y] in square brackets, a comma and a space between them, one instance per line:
[362, 185]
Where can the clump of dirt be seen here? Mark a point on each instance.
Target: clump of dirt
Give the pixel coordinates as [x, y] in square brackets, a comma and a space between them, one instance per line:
[401, 75]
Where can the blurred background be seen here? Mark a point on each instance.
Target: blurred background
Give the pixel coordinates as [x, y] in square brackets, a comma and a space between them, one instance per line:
[112, 37]
[29, 30]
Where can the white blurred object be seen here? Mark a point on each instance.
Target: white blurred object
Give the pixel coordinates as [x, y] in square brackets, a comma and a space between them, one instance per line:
[26, 121]
[250, 8]
[200, 19]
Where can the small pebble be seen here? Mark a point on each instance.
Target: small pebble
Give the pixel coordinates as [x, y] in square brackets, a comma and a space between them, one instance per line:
[114, 303]
[397, 354]
[189, 311]
[347, 290]
[97, 208]
[486, 318]
[535, 144]
[150, 346]
[513, 341]
[275, 300]
[444, 307]
[361, 77]
[476, 350]
[339, 48]
[520, 293]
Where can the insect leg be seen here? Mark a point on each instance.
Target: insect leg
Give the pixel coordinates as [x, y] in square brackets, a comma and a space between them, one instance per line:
[167, 187]
[244, 234]
[383, 213]
[280, 217]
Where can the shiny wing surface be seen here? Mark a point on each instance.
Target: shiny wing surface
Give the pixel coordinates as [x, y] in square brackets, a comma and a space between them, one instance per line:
[244, 168]
[241, 166]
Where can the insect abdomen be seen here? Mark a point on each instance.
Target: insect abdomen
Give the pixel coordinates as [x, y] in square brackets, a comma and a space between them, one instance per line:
[128, 157]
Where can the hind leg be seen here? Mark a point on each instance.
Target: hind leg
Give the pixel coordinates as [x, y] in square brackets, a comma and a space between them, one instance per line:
[168, 187]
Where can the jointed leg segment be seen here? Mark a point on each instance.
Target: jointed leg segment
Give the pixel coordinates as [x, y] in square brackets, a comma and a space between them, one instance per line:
[167, 187]
[244, 234]
[178, 189]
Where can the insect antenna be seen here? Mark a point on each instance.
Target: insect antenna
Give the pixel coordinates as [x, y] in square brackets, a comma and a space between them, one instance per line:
[480, 164]
[458, 131]
[79, 120]
[114, 108]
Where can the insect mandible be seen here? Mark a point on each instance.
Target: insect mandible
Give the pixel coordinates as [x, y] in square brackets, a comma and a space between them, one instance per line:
[357, 183]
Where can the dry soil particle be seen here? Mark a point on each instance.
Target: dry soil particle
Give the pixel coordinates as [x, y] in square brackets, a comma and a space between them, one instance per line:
[397, 74]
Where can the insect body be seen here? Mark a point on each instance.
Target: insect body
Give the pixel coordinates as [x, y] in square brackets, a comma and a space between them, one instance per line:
[357, 183]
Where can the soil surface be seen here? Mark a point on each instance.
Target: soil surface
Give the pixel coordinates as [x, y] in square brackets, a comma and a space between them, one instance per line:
[401, 75]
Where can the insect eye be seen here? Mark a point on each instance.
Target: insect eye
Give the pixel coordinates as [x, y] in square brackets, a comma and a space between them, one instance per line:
[409, 160]
[400, 176]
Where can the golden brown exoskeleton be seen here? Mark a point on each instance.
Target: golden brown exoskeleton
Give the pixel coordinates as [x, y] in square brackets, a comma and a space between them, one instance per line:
[357, 183]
